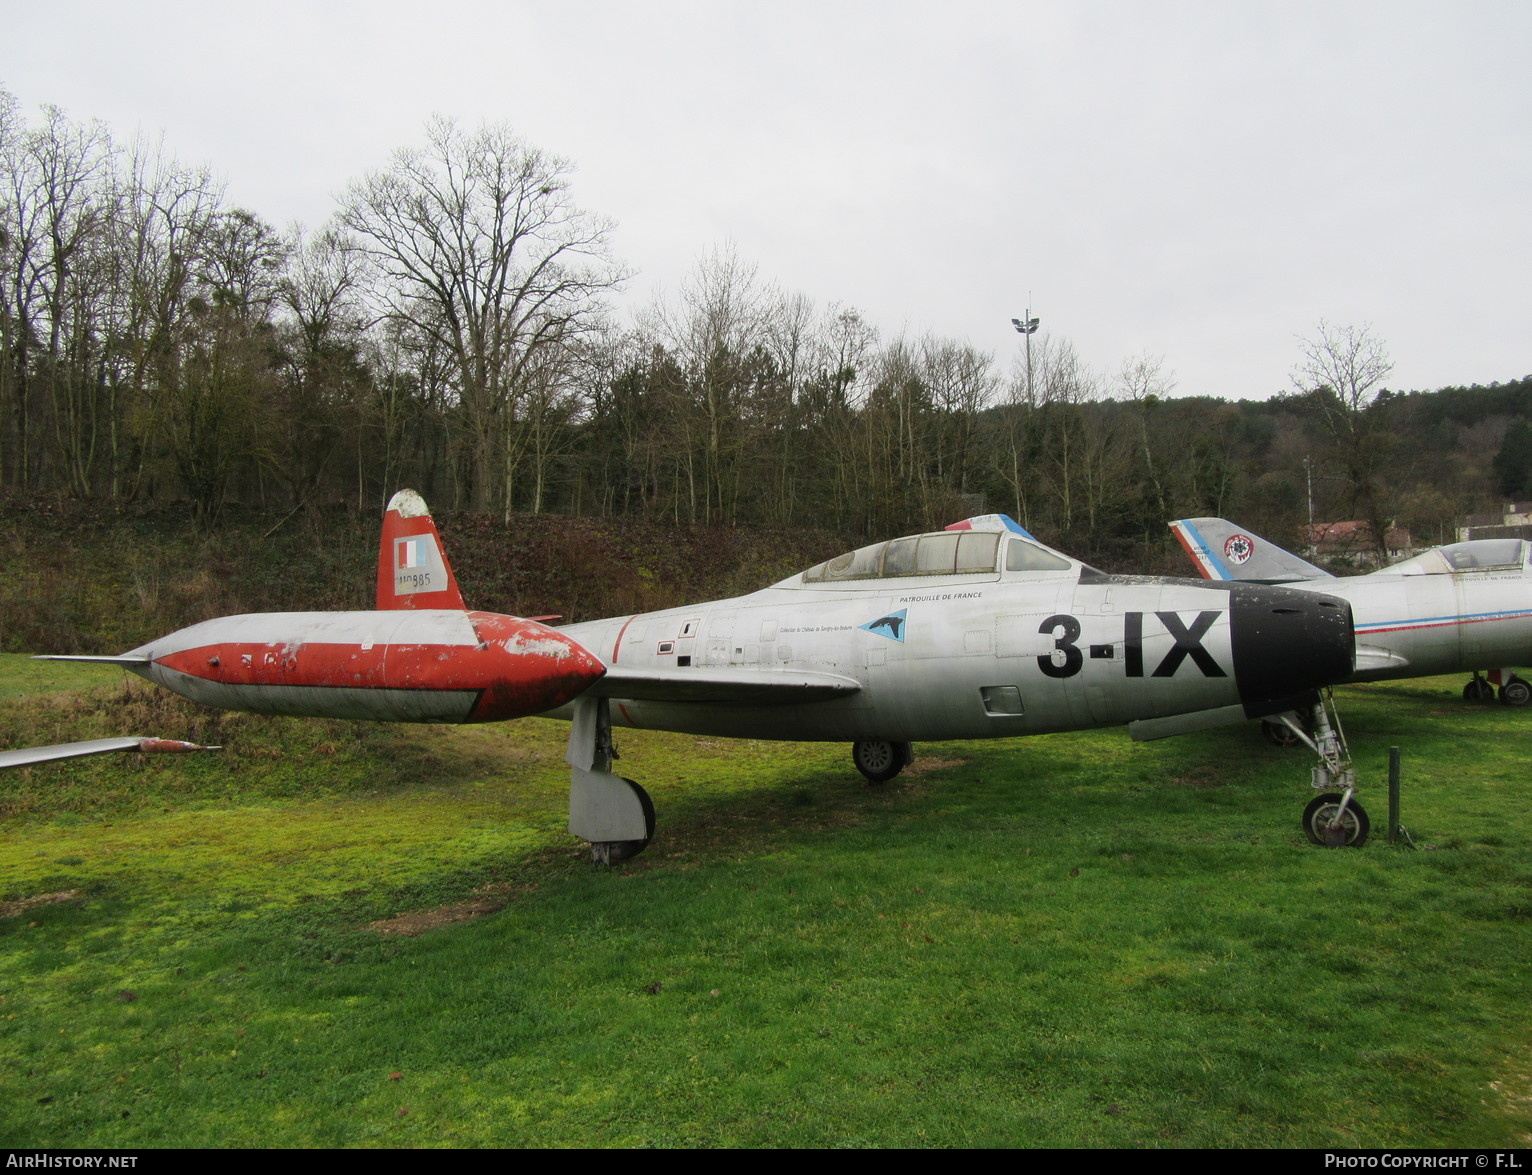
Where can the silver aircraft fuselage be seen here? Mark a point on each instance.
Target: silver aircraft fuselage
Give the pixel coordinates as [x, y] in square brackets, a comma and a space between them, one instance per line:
[977, 654]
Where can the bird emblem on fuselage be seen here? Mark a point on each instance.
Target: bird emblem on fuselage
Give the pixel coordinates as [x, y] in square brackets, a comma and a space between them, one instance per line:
[891, 626]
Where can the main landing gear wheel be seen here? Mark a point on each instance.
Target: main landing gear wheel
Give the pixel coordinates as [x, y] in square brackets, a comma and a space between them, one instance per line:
[1320, 814]
[878, 759]
[1515, 692]
[626, 850]
[1478, 690]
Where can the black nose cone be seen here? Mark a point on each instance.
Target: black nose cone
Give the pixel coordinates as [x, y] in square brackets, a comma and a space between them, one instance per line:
[1288, 643]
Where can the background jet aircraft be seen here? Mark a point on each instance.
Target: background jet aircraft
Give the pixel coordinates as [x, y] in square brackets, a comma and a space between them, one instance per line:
[1466, 606]
[977, 631]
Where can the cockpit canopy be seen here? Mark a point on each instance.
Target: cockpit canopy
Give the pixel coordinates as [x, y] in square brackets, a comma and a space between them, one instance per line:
[946, 552]
[1475, 555]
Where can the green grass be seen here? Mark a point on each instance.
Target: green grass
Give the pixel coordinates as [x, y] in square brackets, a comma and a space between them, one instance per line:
[21, 676]
[1066, 941]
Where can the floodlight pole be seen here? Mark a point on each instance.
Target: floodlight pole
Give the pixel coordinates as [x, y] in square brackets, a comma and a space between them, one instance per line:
[1027, 325]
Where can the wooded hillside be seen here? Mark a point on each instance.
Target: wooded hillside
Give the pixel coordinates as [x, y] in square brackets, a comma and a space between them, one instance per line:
[453, 329]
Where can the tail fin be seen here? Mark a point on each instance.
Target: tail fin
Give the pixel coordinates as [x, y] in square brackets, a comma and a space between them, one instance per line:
[1222, 550]
[413, 571]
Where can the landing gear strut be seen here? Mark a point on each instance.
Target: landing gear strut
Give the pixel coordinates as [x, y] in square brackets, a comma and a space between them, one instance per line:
[613, 813]
[1334, 818]
[880, 760]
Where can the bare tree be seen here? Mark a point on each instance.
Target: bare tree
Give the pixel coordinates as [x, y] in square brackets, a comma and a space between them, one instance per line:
[324, 401]
[474, 240]
[163, 213]
[1143, 380]
[54, 218]
[1349, 361]
[962, 382]
[1062, 386]
[1341, 369]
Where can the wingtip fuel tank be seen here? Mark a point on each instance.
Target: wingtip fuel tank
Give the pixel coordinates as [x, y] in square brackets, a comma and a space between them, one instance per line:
[421, 656]
[435, 665]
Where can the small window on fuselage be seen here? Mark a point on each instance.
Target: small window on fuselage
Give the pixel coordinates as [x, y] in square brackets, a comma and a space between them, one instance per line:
[1021, 555]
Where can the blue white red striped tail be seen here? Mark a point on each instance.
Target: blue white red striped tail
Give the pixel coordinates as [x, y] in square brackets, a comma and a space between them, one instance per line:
[413, 571]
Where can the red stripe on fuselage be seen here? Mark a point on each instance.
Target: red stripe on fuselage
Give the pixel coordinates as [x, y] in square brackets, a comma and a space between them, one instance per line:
[617, 644]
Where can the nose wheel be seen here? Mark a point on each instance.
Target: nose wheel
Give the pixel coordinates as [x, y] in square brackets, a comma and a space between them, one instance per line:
[1332, 821]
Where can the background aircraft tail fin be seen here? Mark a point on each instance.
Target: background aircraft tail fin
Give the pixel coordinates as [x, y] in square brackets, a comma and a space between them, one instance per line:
[413, 571]
[1222, 550]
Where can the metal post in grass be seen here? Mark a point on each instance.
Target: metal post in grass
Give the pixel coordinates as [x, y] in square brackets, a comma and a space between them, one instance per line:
[1393, 795]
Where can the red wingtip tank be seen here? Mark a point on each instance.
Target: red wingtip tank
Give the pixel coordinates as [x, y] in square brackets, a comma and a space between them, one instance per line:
[420, 657]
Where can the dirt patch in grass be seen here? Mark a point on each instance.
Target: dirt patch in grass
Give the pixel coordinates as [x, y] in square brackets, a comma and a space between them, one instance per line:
[487, 900]
[1515, 1093]
[22, 905]
[1203, 776]
[927, 763]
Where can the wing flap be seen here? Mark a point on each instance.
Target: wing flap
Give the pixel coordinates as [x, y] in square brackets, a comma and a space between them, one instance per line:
[752, 687]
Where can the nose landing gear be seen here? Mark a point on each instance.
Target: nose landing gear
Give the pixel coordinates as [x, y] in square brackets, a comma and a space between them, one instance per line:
[1333, 819]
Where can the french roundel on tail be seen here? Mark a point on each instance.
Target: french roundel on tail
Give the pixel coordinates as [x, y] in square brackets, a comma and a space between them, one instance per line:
[413, 571]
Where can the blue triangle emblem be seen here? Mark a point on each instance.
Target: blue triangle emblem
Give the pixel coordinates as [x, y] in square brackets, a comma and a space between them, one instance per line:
[891, 626]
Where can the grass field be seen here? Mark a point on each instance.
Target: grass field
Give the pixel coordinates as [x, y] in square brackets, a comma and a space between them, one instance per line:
[339, 934]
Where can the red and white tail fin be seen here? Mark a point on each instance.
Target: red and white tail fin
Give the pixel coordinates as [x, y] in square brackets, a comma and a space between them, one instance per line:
[413, 571]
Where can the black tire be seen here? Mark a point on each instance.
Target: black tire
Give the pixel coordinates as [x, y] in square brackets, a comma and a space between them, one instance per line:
[878, 759]
[1478, 690]
[626, 850]
[1321, 811]
[1515, 692]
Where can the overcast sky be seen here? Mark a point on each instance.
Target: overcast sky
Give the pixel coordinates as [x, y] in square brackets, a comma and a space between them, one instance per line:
[1202, 181]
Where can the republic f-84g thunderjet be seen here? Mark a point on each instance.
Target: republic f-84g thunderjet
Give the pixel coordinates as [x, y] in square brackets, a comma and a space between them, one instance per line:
[976, 631]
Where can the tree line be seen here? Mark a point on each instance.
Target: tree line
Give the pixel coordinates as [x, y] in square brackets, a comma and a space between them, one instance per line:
[454, 327]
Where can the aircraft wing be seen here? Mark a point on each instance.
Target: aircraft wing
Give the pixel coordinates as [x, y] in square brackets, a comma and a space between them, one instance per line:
[749, 687]
[27, 756]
